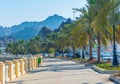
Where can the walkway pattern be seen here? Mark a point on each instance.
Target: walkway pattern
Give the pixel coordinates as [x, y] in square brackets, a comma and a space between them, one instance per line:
[55, 71]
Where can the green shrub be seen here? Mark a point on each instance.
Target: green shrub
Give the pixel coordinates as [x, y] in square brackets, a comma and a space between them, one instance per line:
[107, 66]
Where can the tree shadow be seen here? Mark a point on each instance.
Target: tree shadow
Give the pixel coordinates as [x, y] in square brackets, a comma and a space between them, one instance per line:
[55, 68]
[15, 82]
[53, 60]
[59, 68]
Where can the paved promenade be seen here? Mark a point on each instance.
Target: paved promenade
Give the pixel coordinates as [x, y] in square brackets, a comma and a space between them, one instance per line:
[55, 71]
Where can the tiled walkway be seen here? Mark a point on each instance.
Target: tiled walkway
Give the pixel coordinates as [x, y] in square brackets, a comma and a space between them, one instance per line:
[55, 71]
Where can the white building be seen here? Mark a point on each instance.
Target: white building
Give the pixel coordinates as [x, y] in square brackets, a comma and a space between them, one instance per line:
[3, 50]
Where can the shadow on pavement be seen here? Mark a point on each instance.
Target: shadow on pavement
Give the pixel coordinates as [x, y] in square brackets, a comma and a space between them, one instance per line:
[15, 82]
[54, 67]
[53, 60]
[58, 67]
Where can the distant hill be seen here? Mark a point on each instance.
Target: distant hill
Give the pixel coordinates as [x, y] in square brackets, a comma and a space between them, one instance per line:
[4, 31]
[5, 40]
[53, 22]
[27, 30]
[25, 34]
[44, 32]
[61, 27]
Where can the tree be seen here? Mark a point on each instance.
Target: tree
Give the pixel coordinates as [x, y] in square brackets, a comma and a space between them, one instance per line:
[84, 25]
[21, 47]
[101, 22]
[34, 45]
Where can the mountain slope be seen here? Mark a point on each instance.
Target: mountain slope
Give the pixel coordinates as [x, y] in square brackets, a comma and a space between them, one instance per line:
[27, 30]
[53, 22]
[25, 34]
[44, 32]
[61, 27]
[4, 31]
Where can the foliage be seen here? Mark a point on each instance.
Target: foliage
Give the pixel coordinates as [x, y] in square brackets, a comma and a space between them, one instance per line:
[95, 23]
[22, 47]
[52, 50]
[0, 52]
[81, 60]
[34, 45]
[107, 66]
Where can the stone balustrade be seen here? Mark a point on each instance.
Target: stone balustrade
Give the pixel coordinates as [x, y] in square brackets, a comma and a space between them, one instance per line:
[11, 69]
[2, 73]
[22, 71]
[25, 64]
[14, 75]
[16, 68]
[6, 74]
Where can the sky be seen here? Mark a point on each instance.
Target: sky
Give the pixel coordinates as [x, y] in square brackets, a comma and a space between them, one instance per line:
[13, 12]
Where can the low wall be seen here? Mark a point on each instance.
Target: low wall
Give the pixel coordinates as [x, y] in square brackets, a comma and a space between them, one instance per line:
[103, 71]
[11, 69]
[2, 73]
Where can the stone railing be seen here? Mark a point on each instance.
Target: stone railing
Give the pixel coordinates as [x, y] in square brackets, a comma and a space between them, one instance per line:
[11, 69]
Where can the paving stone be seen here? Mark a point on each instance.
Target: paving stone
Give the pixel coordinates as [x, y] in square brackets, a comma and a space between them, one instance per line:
[56, 71]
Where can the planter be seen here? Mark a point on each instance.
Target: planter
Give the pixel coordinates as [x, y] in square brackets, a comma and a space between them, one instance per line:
[99, 70]
[103, 71]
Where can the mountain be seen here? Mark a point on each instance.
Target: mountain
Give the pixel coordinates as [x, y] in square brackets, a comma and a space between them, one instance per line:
[27, 30]
[4, 31]
[5, 40]
[22, 26]
[53, 22]
[61, 27]
[25, 34]
[44, 32]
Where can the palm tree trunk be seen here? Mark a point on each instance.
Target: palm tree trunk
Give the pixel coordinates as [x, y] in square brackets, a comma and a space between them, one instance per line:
[98, 48]
[62, 53]
[83, 54]
[55, 52]
[90, 48]
[74, 53]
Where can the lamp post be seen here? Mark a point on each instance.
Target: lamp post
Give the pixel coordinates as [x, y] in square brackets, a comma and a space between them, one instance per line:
[74, 16]
[115, 60]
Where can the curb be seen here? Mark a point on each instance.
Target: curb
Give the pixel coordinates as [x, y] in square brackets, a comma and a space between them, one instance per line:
[95, 68]
[115, 79]
[76, 61]
[102, 71]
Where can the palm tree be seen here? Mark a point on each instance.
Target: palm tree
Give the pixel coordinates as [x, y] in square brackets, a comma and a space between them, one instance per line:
[53, 39]
[61, 42]
[9, 48]
[34, 45]
[95, 10]
[66, 39]
[101, 25]
[21, 47]
[86, 28]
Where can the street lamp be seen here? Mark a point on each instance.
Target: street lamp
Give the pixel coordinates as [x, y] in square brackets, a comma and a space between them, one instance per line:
[115, 60]
[74, 15]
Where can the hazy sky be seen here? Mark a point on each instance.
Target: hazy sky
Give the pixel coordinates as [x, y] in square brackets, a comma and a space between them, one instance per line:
[16, 11]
